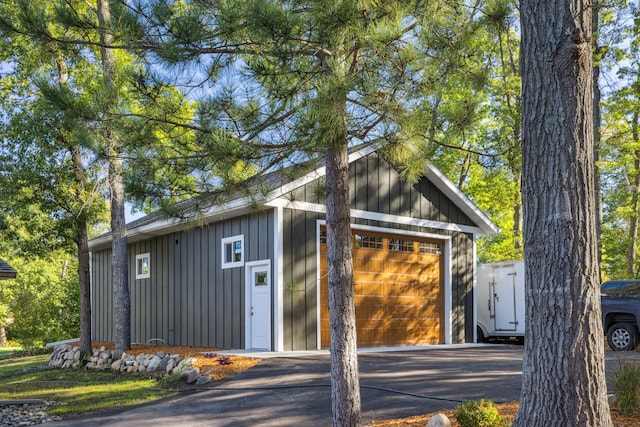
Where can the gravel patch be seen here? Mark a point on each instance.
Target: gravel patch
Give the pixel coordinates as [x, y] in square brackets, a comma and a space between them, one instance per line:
[26, 414]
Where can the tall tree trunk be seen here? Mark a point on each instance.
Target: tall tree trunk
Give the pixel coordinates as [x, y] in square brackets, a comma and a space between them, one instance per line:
[345, 386]
[598, 52]
[82, 244]
[563, 369]
[81, 237]
[632, 237]
[517, 214]
[510, 68]
[119, 262]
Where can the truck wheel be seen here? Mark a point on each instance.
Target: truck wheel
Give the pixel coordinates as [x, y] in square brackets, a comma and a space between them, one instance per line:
[622, 337]
[481, 337]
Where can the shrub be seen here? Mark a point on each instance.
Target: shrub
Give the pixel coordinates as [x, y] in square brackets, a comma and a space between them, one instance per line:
[626, 386]
[478, 413]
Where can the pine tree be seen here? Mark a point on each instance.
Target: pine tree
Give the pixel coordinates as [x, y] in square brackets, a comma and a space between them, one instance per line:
[309, 80]
[563, 371]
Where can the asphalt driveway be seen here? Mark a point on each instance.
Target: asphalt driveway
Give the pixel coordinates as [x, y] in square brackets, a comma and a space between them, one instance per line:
[294, 391]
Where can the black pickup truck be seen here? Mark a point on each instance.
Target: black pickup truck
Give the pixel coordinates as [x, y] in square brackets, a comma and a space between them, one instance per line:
[621, 313]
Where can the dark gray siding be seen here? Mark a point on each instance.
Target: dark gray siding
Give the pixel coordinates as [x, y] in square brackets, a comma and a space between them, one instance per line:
[300, 325]
[462, 267]
[375, 187]
[188, 300]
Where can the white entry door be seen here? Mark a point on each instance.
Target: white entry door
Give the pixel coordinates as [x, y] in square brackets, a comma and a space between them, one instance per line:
[259, 304]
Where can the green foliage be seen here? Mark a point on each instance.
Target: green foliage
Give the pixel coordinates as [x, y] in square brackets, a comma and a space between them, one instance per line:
[42, 304]
[474, 125]
[496, 192]
[478, 413]
[626, 387]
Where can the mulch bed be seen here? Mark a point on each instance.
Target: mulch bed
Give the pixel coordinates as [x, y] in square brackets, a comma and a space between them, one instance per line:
[507, 410]
[206, 358]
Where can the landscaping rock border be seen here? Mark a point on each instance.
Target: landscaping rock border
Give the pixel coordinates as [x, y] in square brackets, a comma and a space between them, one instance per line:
[67, 356]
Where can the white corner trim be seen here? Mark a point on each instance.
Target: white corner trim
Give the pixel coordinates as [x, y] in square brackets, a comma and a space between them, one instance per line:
[277, 280]
[475, 292]
[448, 284]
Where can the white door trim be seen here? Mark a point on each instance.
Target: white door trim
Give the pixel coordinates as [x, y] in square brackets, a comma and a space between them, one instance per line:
[249, 267]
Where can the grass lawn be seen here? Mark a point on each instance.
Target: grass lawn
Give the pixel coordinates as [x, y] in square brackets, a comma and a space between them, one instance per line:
[7, 352]
[78, 391]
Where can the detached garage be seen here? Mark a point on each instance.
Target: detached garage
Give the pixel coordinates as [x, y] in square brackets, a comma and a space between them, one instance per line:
[252, 273]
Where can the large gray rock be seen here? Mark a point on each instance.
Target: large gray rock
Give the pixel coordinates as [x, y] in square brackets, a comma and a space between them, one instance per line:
[205, 379]
[115, 366]
[164, 361]
[190, 376]
[154, 363]
[170, 365]
[439, 420]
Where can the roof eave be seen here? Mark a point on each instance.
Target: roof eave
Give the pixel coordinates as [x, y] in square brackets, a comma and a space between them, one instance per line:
[461, 200]
[243, 205]
[166, 226]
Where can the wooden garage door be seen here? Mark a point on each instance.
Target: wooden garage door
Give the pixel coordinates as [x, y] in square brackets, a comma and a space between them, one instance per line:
[397, 287]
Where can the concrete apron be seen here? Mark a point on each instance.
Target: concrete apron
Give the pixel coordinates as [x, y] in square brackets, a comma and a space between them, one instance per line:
[265, 354]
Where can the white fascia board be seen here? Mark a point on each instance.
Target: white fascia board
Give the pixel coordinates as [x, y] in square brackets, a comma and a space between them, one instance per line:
[165, 226]
[315, 174]
[293, 185]
[460, 199]
[376, 216]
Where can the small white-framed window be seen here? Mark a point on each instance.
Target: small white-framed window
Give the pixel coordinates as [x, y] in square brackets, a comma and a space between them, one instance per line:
[143, 266]
[233, 251]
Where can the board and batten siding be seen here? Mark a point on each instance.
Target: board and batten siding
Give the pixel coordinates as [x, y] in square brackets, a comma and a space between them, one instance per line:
[375, 187]
[300, 287]
[188, 300]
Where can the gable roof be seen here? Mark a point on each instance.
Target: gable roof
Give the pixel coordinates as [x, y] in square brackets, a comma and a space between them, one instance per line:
[279, 184]
[6, 272]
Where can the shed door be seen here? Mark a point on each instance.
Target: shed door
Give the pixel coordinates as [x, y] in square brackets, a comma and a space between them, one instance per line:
[259, 304]
[398, 290]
